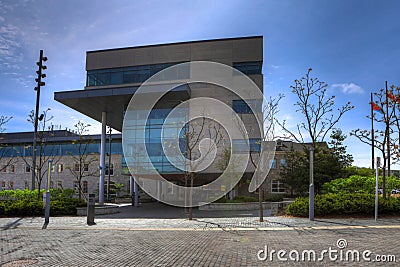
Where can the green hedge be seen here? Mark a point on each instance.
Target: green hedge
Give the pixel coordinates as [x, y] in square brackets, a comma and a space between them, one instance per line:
[359, 184]
[344, 203]
[25, 203]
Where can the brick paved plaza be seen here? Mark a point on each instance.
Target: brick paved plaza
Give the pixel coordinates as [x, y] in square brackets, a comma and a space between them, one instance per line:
[118, 241]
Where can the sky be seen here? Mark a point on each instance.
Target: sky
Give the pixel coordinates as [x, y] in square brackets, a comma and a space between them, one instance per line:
[353, 45]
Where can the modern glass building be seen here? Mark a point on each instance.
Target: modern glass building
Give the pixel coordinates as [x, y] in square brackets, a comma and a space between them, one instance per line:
[114, 76]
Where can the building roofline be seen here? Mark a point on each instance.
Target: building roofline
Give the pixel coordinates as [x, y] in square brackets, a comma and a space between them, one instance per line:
[178, 43]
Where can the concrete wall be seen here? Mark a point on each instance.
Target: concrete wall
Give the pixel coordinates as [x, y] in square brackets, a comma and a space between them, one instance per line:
[224, 51]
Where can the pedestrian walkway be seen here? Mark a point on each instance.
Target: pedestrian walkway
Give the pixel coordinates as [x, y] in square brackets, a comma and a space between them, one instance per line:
[168, 238]
[157, 216]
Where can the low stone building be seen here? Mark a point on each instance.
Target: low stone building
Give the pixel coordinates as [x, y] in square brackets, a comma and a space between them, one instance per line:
[73, 158]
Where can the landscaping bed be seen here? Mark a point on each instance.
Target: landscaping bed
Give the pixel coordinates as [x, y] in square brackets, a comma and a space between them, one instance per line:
[344, 204]
[25, 203]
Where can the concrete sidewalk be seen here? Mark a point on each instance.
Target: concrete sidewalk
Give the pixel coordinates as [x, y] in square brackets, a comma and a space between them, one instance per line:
[158, 216]
[167, 238]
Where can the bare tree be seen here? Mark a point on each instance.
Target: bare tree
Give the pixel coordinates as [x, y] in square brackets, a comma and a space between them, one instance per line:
[46, 150]
[266, 114]
[317, 108]
[319, 113]
[394, 96]
[82, 158]
[3, 121]
[6, 151]
[387, 133]
[193, 133]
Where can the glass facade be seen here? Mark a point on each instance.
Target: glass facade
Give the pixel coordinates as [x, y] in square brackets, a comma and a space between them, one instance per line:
[58, 149]
[241, 107]
[249, 68]
[240, 145]
[155, 130]
[137, 74]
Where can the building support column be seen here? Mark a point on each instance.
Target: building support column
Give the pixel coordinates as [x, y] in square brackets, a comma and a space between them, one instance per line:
[159, 190]
[134, 191]
[102, 156]
[136, 194]
[131, 190]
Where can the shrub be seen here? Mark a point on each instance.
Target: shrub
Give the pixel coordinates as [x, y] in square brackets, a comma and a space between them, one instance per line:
[343, 203]
[66, 206]
[22, 208]
[25, 203]
[358, 184]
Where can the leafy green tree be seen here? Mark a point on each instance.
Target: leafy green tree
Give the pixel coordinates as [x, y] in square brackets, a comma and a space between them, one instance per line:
[294, 173]
[330, 163]
[339, 149]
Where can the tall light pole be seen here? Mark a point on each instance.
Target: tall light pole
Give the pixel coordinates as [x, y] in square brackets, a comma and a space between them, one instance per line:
[109, 164]
[37, 89]
[311, 189]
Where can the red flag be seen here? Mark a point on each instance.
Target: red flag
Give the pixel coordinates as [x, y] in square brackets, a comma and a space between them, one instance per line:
[376, 107]
[392, 96]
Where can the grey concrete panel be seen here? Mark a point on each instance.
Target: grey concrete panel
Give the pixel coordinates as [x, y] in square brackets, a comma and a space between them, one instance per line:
[223, 50]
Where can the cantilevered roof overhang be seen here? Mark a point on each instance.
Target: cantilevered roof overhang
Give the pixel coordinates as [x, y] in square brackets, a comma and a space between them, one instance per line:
[92, 102]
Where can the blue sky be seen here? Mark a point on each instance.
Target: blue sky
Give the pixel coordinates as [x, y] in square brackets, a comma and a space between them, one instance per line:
[352, 45]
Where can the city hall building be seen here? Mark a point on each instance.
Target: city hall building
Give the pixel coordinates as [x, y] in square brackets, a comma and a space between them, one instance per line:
[115, 75]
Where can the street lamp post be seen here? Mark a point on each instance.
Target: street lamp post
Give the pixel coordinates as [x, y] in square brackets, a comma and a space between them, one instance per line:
[311, 188]
[109, 164]
[37, 89]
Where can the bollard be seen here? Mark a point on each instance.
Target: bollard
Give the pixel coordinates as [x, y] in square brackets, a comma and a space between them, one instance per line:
[91, 209]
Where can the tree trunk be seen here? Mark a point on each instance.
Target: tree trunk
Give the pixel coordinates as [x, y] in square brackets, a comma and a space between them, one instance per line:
[191, 199]
[384, 178]
[39, 187]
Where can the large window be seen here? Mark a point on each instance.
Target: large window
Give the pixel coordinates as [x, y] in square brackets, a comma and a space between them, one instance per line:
[249, 68]
[109, 169]
[277, 186]
[137, 74]
[241, 107]
[152, 138]
[283, 163]
[60, 167]
[241, 145]
[272, 163]
[85, 187]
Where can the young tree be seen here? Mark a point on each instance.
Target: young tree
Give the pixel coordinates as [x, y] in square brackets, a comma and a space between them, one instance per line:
[317, 108]
[260, 157]
[3, 121]
[384, 133]
[193, 133]
[339, 149]
[45, 149]
[82, 159]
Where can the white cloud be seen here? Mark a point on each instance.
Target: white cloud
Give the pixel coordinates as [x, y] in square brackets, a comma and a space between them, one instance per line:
[349, 88]
[275, 66]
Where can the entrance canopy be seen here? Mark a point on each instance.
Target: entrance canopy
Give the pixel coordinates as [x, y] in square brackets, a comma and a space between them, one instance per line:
[113, 101]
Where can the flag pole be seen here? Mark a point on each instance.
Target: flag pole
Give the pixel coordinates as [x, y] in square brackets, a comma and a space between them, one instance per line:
[388, 129]
[372, 133]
